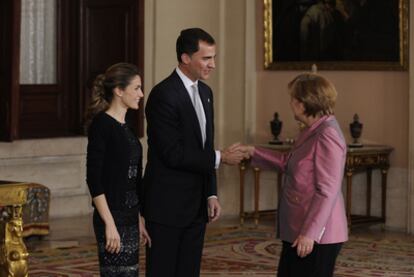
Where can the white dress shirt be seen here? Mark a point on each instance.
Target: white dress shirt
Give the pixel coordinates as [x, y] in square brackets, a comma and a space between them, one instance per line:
[187, 84]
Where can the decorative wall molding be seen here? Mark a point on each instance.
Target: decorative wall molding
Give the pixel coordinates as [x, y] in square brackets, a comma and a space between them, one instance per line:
[59, 164]
[410, 191]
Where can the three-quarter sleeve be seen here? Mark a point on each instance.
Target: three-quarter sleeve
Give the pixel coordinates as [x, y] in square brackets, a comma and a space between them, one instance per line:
[95, 160]
[269, 159]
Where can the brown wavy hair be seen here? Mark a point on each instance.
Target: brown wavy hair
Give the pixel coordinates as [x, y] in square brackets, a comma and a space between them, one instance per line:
[317, 94]
[116, 76]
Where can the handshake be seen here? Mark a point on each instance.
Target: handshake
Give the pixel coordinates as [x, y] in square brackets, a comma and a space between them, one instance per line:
[235, 153]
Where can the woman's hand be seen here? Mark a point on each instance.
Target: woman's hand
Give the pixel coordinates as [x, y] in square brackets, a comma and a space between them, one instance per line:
[247, 150]
[144, 237]
[113, 240]
[304, 246]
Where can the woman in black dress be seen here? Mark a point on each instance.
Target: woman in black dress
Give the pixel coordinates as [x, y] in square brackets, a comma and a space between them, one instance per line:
[114, 170]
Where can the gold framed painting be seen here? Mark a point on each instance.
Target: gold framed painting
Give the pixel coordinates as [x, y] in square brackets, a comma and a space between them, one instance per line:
[336, 34]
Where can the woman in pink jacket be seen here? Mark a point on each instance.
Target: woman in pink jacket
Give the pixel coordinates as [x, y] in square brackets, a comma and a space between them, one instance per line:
[312, 220]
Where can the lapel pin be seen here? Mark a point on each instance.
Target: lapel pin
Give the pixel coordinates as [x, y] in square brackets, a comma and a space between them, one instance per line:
[208, 100]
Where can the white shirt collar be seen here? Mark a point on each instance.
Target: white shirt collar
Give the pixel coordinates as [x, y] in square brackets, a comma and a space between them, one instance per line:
[187, 81]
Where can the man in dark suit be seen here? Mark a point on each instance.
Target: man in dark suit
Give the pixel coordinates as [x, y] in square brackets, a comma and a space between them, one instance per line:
[180, 191]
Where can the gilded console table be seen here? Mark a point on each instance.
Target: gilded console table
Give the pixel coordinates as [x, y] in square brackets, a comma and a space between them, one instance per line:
[13, 252]
[365, 159]
[35, 211]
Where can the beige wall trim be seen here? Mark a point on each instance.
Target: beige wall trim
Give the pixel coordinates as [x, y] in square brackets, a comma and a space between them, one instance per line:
[250, 72]
[410, 206]
[149, 42]
[149, 61]
[220, 100]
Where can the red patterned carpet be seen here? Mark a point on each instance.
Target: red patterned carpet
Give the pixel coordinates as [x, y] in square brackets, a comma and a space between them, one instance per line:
[246, 252]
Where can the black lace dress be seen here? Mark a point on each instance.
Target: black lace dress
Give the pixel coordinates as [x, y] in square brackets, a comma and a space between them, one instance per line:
[124, 263]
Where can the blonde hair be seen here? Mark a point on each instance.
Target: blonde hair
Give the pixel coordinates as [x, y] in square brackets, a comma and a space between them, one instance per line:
[317, 94]
[116, 76]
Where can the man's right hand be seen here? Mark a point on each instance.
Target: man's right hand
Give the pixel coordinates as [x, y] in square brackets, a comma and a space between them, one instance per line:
[232, 155]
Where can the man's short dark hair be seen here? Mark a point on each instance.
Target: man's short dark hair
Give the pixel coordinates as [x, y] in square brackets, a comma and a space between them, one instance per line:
[330, 2]
[188, 41]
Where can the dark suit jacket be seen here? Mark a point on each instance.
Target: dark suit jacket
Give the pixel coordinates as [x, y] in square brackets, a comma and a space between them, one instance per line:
[180, 174]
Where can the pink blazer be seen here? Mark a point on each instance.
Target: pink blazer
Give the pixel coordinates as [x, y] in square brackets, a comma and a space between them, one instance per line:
[311, 202]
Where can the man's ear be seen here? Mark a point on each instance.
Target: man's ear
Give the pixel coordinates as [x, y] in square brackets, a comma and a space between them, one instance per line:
[185, 58]
[302, 107]
[118, 92]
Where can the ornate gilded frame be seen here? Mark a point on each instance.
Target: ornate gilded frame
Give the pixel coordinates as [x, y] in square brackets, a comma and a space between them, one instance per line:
[271, 62]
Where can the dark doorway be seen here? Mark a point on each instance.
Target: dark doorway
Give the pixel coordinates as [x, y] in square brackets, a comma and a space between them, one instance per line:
[91, 35]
